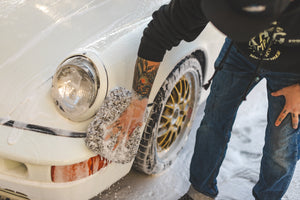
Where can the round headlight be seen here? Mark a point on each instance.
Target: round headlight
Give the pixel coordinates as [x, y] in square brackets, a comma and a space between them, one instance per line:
[74, 87]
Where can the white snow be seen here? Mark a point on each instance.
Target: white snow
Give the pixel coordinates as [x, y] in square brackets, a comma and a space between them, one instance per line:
[239, 171]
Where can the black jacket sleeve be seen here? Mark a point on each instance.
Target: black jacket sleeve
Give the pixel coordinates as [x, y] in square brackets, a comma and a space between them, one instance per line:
[179, 20]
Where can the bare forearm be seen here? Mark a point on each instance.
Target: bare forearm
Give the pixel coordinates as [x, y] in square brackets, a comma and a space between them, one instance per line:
[144, 76]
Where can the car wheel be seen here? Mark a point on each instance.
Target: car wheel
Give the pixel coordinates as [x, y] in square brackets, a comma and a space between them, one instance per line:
[169, 122]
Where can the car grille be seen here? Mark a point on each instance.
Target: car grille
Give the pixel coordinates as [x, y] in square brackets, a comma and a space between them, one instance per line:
[6, 194]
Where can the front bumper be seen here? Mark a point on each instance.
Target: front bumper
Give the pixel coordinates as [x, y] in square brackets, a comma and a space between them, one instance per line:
[26, 158]
[77, 190]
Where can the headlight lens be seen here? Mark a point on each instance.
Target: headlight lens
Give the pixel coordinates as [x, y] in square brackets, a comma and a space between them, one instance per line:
[74, 87]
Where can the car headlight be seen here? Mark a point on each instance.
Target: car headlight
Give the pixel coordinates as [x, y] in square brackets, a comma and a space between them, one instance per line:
[74, 87]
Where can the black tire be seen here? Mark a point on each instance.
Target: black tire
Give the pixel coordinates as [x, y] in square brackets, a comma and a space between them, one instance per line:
[169, 123]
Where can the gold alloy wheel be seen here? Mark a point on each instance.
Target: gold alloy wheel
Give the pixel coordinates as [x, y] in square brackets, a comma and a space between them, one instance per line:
[171, 117]
[175, 114]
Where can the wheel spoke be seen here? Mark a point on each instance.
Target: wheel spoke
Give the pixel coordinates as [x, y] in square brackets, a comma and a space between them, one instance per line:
[165, 118]
[165, 140]
[170, 106]
[172, 98]
[185, 95]
[178, 93]
[161, 139]
[165, 126]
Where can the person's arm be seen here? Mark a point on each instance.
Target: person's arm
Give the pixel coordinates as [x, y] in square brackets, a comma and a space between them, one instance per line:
[144, 76]
[292, 104]
[179, 20]
[172, 23]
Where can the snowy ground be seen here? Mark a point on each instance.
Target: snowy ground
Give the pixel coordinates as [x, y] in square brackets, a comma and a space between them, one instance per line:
[239, 171]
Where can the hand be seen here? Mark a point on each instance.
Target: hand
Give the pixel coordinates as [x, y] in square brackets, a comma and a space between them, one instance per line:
[144, 75]
[292, 104]
[128, 121]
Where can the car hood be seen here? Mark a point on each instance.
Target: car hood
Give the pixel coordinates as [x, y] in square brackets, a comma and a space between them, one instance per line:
[23, 23]
[36, 36]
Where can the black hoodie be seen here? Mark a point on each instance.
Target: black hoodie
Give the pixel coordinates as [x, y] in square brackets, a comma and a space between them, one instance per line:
[184, 20]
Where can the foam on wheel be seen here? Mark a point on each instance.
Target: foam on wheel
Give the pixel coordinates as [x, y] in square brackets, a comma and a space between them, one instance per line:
[171, 117]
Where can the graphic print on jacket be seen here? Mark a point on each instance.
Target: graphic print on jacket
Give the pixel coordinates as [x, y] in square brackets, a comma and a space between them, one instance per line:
[258, 44]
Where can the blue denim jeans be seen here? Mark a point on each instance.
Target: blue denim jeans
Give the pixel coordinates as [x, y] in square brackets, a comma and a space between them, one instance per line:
[281, 149]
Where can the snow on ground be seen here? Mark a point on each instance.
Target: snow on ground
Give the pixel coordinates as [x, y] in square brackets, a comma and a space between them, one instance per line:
[239, 171]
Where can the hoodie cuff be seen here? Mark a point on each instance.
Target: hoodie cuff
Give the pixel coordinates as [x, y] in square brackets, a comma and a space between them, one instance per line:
[149, 52]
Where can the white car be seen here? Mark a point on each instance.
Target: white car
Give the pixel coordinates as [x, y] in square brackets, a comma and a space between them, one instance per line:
[43, 154]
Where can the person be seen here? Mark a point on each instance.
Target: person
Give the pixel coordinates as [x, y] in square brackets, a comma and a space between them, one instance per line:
[263, 41]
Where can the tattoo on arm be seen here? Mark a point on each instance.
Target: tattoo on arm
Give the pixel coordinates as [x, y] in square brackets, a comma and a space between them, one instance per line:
[144, 75]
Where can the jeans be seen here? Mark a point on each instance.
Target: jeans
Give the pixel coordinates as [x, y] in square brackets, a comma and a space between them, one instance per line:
[281, 149]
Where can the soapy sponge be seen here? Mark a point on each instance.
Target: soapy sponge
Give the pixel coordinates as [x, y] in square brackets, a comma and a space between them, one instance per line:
[113, 106]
